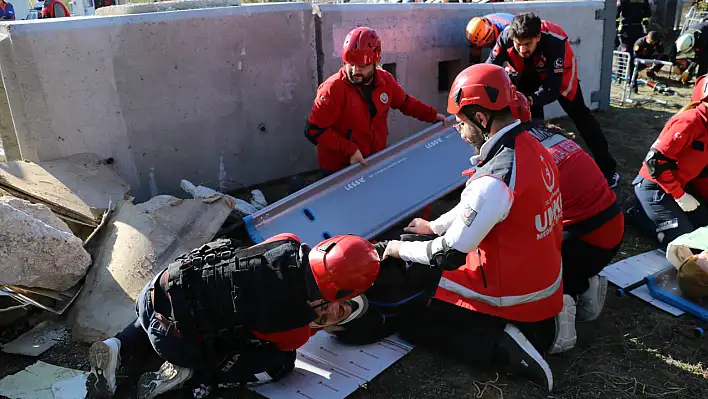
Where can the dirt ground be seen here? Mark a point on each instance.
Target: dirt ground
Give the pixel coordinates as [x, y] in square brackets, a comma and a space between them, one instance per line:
[632, 351]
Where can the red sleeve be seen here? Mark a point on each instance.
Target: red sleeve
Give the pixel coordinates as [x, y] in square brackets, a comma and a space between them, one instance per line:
[288, 340]
[281, 236]
[410, 105]
[677, 135]
[325, 112]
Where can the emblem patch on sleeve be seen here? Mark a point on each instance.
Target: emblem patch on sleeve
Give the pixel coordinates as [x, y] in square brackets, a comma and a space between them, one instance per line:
[468, 215]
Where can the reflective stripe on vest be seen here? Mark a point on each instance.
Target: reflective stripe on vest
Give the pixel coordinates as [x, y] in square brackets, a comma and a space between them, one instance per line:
[553, 140]
[502, 301]
[573, 80]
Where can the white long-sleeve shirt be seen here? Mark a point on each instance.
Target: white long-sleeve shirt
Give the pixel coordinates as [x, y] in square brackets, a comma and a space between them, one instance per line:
[484, 202]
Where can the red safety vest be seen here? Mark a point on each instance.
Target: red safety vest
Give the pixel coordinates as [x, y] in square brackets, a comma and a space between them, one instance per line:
[516, 272]
[551, 35]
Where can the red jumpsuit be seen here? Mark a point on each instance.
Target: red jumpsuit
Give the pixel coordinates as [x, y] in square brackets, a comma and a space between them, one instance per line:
[346, 118]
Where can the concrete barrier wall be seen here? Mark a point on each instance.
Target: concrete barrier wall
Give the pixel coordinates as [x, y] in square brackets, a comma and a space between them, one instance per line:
[217, 96]
[220, 96]
[428, 46]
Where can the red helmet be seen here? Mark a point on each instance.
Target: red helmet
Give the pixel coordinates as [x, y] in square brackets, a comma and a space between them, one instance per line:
[700, 90]
[486, 85]
[362, 46]
[344, 267]
[520, 108]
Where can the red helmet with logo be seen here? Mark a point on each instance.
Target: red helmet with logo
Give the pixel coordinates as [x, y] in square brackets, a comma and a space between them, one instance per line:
[486, 85]
[344, 267]
[700, 90]
[520, 108]
[362, 47]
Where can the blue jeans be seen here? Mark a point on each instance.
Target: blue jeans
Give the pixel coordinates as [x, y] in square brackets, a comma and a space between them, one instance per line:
[661, 217]
[255, 363]
[161, 335]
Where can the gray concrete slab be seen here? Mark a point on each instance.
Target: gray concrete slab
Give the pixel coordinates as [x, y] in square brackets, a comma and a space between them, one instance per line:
[218, 96]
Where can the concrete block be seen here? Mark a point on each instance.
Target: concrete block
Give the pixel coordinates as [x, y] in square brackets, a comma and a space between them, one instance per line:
[142, 8]
[427, 43]
[217, 96]
[138, 242]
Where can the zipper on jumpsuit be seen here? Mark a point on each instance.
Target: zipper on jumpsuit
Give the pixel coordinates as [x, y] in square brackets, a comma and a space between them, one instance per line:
[371, 119]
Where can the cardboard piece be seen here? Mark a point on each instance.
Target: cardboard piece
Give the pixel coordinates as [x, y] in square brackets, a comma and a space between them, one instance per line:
[328, 369]
[35, 381]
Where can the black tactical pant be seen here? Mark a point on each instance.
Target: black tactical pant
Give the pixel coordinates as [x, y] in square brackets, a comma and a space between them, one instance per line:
[248, 362]
[659, 216]
[469, 336]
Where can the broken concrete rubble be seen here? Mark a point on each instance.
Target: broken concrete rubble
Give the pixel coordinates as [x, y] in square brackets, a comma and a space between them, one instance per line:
[37, 340]
[137, 242]
[76, 188]
[37, 249]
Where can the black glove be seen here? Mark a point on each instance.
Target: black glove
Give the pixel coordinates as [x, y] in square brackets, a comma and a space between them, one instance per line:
[381, 248]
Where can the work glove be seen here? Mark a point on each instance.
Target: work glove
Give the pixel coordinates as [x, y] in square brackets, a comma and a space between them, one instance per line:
[381, 248]
[687, 202]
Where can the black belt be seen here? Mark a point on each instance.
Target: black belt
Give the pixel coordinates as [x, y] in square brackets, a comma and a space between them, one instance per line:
[591, 224]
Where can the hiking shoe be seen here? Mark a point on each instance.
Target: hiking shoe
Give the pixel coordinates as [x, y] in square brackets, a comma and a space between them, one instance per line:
[565, 327]
[614, 180]
[524, 359]
[591, 302]
[104, 357]
[167, 378]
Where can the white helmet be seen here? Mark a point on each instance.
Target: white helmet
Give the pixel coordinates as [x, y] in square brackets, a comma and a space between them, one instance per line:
[684, 42]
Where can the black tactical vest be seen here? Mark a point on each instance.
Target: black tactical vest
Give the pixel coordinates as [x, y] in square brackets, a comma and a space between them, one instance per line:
[219, 291]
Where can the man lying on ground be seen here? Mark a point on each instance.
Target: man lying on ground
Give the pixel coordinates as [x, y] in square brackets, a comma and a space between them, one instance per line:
[225, 316]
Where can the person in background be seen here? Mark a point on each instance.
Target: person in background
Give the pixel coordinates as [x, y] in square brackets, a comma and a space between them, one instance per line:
[697, 41]
[539, 56]
[349, 118]
[7, 11]
[54, 9]
[483, 32]
[670, 186]
[633, 16]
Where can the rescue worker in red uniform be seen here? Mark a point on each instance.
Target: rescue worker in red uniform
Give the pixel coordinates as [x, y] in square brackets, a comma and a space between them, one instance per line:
[667, 187]
[483, 32]
[593, 223]
[235, 316]
[54, 9]
[348, 121]
[540, 57]
[499, 249]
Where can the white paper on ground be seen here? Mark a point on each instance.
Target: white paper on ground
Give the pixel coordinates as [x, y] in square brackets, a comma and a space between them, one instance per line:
[631, 270]
[73, 388]
[327, 369]
[35, 381]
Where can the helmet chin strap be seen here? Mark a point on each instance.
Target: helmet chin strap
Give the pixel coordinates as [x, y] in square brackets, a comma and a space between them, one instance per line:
[485, 130]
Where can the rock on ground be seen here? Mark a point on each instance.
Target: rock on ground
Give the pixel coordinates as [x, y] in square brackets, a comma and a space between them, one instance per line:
[138, 242]
[37, 249]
